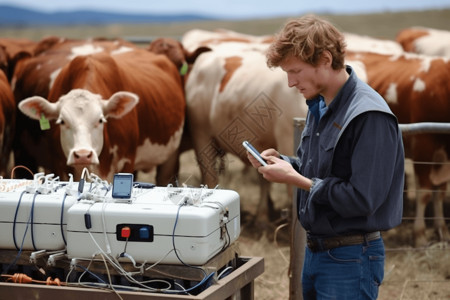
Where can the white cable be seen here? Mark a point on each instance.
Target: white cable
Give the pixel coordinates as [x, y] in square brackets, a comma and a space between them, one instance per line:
[119, 268]
[108, 246]
[83, 173]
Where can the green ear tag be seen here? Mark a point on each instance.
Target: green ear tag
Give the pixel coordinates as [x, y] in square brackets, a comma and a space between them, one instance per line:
[43, 121]
[184, 69]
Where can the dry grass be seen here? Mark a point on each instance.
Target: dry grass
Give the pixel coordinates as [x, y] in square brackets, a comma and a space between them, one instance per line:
[417, 274]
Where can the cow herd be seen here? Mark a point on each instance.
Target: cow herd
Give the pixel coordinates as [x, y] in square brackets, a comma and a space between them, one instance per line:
[114, 106]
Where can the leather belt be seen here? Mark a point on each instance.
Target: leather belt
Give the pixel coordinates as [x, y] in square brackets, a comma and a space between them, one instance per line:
[323, 244]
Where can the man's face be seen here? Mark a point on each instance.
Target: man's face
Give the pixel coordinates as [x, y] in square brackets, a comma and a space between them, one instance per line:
[303, 76]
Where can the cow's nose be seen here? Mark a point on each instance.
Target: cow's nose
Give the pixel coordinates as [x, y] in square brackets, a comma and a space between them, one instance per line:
[82, 156]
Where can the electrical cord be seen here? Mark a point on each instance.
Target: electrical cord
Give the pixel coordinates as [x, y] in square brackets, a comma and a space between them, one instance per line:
[204, 280]
[86, 270]
[23, 278]
[225, 272]
[15, 219]
[20, 166]
[62, 219]
[32, 221]
[173, 240]
[119, 268]
[23, 239]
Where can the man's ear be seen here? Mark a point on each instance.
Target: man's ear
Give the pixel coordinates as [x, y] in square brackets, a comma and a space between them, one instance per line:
[326, 58]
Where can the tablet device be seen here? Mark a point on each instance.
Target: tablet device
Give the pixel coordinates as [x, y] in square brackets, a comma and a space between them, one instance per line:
[254, 152]
[122, 185]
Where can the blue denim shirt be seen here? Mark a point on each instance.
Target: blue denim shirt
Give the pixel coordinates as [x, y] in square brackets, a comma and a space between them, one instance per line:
[355, 154]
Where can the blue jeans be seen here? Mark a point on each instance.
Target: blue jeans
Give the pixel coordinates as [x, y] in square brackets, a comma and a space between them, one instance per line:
[349, 272]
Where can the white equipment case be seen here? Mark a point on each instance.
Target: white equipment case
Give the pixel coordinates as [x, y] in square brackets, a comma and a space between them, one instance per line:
[171, 225]
[33, 216]
[168, 225]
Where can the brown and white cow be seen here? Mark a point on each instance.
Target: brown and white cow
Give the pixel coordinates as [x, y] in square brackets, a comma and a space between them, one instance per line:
[426, 41]
[118, 111]
[232, 96]
[416, 89]
[34, 76]
[7, 123]
[196, 38]
[365, 43]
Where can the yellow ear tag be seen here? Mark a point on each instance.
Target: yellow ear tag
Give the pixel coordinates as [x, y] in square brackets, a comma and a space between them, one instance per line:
[43, 121]
[184, 69]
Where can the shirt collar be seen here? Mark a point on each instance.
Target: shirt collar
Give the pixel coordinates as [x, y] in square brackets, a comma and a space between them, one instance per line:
[317, 107]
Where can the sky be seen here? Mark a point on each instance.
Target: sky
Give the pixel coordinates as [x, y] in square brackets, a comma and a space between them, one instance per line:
[233, 8]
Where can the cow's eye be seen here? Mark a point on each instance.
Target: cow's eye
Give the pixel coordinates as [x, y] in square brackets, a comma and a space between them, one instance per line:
[102, 120]
[60, 121]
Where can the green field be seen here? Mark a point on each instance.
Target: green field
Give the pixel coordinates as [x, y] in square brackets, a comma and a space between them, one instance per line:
[381, 25]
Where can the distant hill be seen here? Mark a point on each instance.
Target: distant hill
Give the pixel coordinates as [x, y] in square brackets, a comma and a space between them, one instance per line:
[12, 16]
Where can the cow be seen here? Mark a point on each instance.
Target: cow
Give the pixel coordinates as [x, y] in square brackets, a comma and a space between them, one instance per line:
[364, 43]
[232, 96]
[416, 89]
[424, 40]
[11, 51]
[34, 75]
[7, 123]
[174, 50]
[231, 89]
[196, 38]
[113, 111]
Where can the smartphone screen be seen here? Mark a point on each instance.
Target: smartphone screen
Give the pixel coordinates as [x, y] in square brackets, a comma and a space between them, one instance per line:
[254, 152]
[122, 185]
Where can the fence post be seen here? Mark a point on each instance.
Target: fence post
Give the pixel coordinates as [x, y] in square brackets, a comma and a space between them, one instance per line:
[298, 234]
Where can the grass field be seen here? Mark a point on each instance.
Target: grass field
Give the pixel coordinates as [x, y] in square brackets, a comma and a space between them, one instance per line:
[382, 25]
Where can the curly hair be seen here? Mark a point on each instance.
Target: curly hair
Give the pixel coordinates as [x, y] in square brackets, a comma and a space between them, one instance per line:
[307, 38]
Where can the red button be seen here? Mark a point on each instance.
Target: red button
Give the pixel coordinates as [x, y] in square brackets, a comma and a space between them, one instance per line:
[126, 232]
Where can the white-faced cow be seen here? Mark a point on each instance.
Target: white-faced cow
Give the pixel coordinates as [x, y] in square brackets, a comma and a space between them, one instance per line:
[115, 111]
[416, 89]
[426, 41]
[232, 96]
[34, 76]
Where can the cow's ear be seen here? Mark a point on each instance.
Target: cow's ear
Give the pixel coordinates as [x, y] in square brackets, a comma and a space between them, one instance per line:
[35, 107]
[120, 104]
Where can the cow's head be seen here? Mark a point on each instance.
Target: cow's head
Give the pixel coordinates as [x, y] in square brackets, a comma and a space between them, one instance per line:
[81, 116]
[175, 51]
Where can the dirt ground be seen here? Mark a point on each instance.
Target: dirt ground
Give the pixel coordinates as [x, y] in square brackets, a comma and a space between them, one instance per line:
[410, 274]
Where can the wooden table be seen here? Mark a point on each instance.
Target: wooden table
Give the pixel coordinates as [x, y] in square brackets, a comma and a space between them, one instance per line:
[238, 284]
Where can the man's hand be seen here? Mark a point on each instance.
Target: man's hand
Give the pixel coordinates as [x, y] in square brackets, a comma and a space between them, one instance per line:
[266, 153]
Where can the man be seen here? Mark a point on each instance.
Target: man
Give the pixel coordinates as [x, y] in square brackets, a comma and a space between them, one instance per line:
[350, 166]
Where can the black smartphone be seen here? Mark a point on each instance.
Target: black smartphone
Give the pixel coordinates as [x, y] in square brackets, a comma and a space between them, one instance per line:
[254, 152]
[122, 185]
